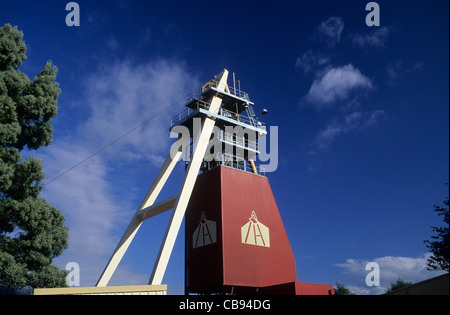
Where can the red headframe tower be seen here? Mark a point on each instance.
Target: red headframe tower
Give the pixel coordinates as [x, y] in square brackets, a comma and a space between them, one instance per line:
[235, 239]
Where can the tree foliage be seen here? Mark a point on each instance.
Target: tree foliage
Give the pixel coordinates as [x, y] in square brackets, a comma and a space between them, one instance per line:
[32, 232]
[398, 285]
[439, 260]
[340, 289]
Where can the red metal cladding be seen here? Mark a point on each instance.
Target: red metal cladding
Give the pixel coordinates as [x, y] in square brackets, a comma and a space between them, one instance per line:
[305, 288]
[256, 250]
[235, 235]
[204, 267]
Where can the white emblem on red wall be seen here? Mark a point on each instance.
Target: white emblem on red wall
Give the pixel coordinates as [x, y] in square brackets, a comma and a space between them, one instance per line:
[255, 233]
[205, 233]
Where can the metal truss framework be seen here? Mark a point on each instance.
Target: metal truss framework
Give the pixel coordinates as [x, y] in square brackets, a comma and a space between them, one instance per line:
[178, 202]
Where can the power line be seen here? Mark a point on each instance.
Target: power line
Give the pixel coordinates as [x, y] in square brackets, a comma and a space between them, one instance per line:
[115, 141]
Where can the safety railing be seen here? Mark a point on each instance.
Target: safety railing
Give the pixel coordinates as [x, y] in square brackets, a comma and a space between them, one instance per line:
[242, 141]
[197, 104]
[188, 112]
[214, 84]
[232, 161]
[228, 89]
[249, 120]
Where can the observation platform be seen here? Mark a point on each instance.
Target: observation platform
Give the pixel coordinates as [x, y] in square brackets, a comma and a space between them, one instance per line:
[231, 113]
[238, 128]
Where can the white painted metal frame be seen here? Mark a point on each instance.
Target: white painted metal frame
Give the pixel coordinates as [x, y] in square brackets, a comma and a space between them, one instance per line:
[179, 202]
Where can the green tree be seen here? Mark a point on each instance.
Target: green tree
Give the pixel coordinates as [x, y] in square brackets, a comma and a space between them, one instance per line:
[340, 289]
[32, 232]
[398, 285]
[439, 247]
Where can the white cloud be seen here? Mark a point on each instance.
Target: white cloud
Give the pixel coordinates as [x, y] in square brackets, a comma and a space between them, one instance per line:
[311, 61]
[122, 96]
[337, 87]
[112, 43]
[377, 38]
[330, 31]
[410, 269]
[354, 121]
[118, 98]
[336, 84]
[397, 70]
[374, 117]
[93, 213]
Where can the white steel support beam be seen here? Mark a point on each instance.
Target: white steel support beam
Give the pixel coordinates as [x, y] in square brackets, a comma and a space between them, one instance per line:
[157, 208]
[138, 218]
[179, 202]
[187, 187]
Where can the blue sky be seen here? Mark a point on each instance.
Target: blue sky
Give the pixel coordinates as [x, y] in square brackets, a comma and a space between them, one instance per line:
[362, 114]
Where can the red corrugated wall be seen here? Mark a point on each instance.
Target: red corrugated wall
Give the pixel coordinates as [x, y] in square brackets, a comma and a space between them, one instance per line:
[306, 288]
[228, 197]
[250, 265]
[204, 267]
